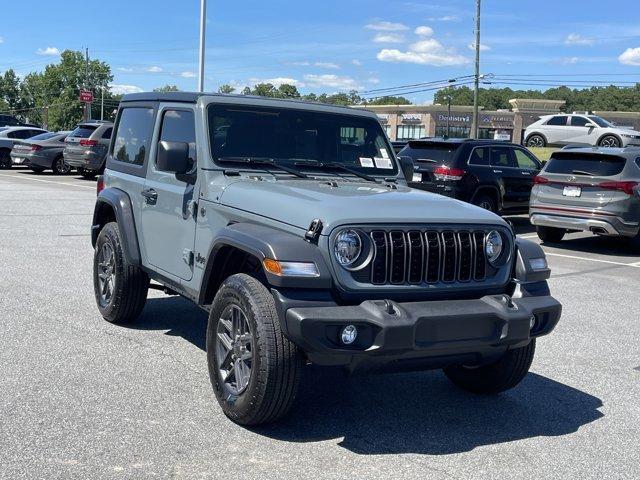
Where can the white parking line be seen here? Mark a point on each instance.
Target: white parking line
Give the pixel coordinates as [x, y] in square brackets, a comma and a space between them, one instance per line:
[634, 265]
[528, 236]
[47, 181]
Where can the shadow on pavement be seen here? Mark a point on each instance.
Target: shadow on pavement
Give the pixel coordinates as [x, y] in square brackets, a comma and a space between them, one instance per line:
[521, 225]
[606, 246]
[424, 413]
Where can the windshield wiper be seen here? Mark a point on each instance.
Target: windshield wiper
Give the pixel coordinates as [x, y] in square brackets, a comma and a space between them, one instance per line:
[582, 172]
[263, 161]
[337, 166]
[429, 160]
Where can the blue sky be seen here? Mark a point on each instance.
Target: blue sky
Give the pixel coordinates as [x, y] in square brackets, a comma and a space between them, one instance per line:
[330, 45]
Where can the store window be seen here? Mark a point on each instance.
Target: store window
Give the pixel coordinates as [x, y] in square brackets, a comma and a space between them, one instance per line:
[454, 131]
[410, 132]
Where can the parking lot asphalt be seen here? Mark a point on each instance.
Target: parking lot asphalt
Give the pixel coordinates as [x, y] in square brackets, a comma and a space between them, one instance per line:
[80, 398]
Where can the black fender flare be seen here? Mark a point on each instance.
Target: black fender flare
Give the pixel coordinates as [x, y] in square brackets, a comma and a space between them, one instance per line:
[118, 201]
[484, 187]
[266, 242]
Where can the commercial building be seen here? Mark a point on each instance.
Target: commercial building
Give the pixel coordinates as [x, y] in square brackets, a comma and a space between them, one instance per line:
[406, 122]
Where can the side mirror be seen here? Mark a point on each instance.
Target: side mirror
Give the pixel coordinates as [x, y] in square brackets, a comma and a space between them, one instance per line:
[173, 157]
[406, 163]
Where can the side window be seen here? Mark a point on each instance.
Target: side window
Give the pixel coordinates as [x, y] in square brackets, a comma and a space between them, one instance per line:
[579, 121]
[107, 133]
[14, 134]
[132, 137]
[480, 156]
[557, 120]
[179, 126]
[500, 157]
[525, 161]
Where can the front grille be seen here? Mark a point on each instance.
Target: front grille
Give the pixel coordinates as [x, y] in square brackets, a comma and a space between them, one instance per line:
[431, 256]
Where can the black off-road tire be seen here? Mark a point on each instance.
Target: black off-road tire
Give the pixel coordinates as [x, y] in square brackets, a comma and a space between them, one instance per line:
[496, 377]
[550, 234]
[536, 140]
[5, 159]
[487, 202]
[36, 169]
[276, 364]
[130, 283]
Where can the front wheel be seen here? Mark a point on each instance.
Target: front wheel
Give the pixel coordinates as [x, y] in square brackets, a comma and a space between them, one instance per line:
[5, 159]
[254, 370]
[536, 141]
[550, 234]
[486, 202]
[609, 141]
[496, 377]
[120, 288]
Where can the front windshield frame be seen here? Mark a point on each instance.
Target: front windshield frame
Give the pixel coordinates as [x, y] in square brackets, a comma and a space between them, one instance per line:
[601, 122]
[216, 109]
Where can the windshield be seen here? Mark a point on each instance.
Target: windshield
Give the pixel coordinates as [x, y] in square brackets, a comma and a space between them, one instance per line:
[601, 122]
[289, 135]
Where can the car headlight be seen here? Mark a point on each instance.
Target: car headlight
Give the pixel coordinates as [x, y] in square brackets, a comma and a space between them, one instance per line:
[347, 247]
[493, 246]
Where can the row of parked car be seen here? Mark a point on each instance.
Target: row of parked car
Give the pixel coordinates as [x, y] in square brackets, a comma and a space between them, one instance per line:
[594, 189]
[83, 149]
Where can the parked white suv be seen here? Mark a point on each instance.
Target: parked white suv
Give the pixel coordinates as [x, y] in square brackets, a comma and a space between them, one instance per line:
[578, 129]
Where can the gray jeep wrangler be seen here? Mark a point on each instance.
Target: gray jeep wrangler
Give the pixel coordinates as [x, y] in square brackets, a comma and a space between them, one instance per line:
[291, 224]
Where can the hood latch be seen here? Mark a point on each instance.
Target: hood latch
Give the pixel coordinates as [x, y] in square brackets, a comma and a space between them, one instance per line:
[314, 231]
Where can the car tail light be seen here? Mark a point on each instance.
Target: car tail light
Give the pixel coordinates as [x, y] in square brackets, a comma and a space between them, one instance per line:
[35, 148]
[538, 180]
[99, 184]
[88, 143]
[448, 173]
[626, 187]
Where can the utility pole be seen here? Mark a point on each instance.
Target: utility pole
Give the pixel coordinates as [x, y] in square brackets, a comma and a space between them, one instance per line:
[87, 106]
[203, 20]
[448, 115]
[476, 78]
[102, 103]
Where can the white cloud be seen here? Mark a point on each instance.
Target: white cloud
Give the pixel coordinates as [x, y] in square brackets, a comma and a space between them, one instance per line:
[577, 39]
[569, 60]
[154, 69]
[124, 89]
[424, 31]
[48, 52]
[1, 40]
[424, 52]
[188, 74]
[356, 62]
[388, 38]
[125, 69]
[387, 27]
[301, 64]
[631, 56]
[445, 18]
[483, 47]
[373, 80]
[327, 65]
[332, 81]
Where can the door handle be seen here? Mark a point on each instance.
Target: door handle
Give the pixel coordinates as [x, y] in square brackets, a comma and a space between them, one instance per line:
[497, 171]
[526, 173]
[150, 196]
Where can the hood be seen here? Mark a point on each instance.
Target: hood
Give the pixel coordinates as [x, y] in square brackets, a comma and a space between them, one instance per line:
[298, 202]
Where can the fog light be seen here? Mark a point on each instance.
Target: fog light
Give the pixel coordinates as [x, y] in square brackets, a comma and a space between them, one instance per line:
[532, 322]
[349, 334]
[538, 263]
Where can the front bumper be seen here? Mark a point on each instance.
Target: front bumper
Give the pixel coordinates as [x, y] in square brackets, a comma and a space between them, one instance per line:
[419, 335]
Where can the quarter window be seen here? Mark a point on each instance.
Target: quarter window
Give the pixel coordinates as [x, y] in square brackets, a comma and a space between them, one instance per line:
[579, 122]
[525, 161]
[559, 120]
[132, 137]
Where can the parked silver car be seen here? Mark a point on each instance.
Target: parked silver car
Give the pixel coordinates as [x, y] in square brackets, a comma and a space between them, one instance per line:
[86, 147]
[41, 152]
[9, 136]
[587, 189]
[578, 129]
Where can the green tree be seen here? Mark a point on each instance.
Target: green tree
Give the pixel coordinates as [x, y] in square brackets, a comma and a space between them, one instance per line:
[167, 88]
[226, 88]
[288, 91]
[389, 100]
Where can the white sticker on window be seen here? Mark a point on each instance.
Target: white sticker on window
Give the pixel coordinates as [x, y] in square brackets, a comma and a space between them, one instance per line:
[384, 153]
[367, 162]
[383, 162]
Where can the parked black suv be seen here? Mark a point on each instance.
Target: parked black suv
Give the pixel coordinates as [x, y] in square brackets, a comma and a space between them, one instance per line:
[492, 174]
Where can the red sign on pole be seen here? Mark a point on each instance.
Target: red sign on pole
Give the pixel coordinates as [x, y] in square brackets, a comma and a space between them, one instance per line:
[86, 96]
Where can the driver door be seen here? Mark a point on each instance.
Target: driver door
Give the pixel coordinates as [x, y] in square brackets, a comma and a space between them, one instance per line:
[167, 214]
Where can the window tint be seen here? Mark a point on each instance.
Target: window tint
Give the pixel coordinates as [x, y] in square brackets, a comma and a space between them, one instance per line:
[585, 164]
[83, 131]
[559, 120]
[441, 154]
[601, 122]
[15, 134]
[132, 137]
[579, 122]
[33, 133]
[179, 126]
[45, 136]
[107, 133]
[501, 157]
[525, 160]
[480, 156]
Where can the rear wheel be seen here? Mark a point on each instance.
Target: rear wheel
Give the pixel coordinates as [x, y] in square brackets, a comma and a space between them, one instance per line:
[87, 174]
[36, 169]
[487, 202]
[255, 371]
[496, 377]
[550, 234]
[5, 159]
[536, 141]
[59, 166]
[120, 287]
[610, 141]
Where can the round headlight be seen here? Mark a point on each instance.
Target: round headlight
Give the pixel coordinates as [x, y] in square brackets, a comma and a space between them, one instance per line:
[347, 247]
[493, 246]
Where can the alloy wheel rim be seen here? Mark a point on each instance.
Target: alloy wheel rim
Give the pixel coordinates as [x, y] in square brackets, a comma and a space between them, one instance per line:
[610, 142]
[486, 206]
[234, 349]
[106, 273]
[62, 166]
[535, 142]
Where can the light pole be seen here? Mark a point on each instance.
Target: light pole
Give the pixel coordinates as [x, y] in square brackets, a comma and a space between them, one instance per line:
[476, 79]
[203, 20]
[448, 114]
